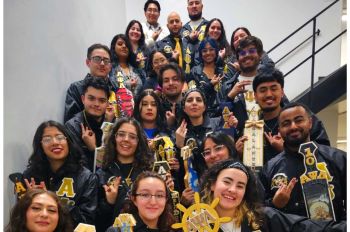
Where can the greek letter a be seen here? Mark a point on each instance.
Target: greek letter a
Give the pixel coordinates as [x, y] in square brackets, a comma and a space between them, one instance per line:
[66, 188]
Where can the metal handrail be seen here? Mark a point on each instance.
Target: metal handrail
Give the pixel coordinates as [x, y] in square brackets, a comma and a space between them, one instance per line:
[288, 53]
[302, 26]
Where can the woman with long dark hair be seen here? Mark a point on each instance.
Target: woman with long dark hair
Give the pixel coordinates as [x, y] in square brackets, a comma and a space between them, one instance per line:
[39, 210]
[124, 65]
[150, 204]
[157, 59]
[127, 155]
[55, 165]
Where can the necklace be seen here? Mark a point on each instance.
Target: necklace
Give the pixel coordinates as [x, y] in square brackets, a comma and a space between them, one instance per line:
[127, 180]
[272, 127]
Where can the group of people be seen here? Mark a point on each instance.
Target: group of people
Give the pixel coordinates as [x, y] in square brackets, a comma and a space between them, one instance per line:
[181, 83]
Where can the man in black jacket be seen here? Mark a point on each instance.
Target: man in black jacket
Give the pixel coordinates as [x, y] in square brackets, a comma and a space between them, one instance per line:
[98, 61]
[85, 126]
[281, 174]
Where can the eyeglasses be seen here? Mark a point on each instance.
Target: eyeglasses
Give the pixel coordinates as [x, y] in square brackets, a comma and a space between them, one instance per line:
[215, 150]
[99, 59]
[148, 196]
[123, 135]
[47, 140]
[250, 51]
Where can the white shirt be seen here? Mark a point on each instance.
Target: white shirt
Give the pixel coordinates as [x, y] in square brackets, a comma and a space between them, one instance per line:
[247, 87]
[230, 227]
[149, 29]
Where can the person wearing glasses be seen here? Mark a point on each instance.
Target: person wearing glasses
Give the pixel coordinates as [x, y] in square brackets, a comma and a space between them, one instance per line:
[56, 165]
[157, 59]
[98, 61]
[150, 204]
[152, 29]
[237, 35]
[127, 155]
[85, 126]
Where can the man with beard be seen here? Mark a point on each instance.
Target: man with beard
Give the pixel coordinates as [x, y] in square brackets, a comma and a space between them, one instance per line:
[152, 29]
[99, 62]
[172, 80]
[232, 91]
[268, 91]
[193, 32]
[85, 126]
[281, 174]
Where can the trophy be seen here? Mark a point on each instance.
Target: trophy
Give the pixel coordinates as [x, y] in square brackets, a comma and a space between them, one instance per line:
[125, 222]
[187, 61]
[85, 228]
[16, 178]
[164, 151]
[317, 191]
[191, 177]
[226, 128]
[253, 150]
[200, 217]
[100, 151]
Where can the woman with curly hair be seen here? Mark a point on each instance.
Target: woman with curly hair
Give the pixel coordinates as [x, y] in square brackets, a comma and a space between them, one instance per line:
[150, 204]
[236, 187]
[39, 210]
[56, 165]
[127, 155]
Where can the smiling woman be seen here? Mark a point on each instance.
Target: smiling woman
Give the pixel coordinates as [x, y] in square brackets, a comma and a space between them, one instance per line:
[39, 210]
[127, 155]
[56, 165]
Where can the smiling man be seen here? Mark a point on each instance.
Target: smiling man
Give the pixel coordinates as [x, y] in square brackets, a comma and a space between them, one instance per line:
[85, 126]
[268, 91]
[281, 176]
[98, 61]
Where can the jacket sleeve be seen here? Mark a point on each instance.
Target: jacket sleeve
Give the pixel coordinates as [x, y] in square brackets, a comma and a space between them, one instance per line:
[73, 103]
[85, 210]
[318, 132]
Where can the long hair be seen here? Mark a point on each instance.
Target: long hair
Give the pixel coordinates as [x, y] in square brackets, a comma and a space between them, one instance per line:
[222, 41]
[233, 36]
[39, 165]
[160, 119]
[141, 41]
[131, 58]
[150, 67]
[166, 219]
[220, 138]
[250, 206]
[212, 43]
[18, 217]
[183, 101]
[143, 158]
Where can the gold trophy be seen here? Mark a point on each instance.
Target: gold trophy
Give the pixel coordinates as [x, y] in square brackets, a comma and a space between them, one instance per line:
[125, 222]
[164, 151]
[253, 151]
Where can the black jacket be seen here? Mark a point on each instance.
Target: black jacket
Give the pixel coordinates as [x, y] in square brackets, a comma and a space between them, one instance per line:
[106, 212]
[290, 164]
[82, 205]
[74, 128]
[73, 103]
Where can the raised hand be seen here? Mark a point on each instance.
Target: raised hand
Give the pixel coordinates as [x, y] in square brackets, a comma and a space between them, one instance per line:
[276, 141]
[88, 137]
[111, 190]
[33, 185]
[282, 195]
[180, 134]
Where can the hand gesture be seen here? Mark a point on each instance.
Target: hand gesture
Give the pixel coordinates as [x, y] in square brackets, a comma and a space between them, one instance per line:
[194, 35]
[276, 141]
[32, 185]
[111, 190]
[232, 120]
[110, 114]
[216, 79]
[187, 197]
[156, 34]
[175, 55]
[133, 82]
[222, 53]
[180, 134]
[282, 195]
[174, 164]
[239, 87]
[88, 137]
[240, 145]
[169, 181]
[170, 116]
[235, 65]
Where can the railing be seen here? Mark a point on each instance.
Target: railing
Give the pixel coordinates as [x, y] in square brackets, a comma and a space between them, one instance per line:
[312, 56]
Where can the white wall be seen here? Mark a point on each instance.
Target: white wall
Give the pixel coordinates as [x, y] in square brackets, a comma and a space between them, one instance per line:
[45, 45]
